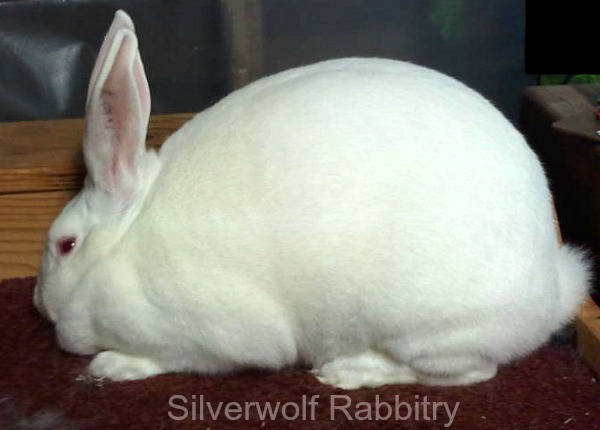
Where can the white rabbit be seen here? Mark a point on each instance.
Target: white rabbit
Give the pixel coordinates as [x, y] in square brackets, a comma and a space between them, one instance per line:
[375, 220]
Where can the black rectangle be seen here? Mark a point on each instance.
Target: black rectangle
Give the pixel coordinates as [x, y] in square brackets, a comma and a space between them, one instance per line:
[561, 37]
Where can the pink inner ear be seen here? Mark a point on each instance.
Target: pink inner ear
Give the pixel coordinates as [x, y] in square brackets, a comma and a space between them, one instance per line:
[119, 92]
[117, 118]
[112, 115]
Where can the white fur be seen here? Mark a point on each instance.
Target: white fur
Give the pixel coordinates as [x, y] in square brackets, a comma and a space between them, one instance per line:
[371, 218]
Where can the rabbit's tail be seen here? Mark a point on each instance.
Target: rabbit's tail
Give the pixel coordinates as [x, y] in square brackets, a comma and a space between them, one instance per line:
[574, 280]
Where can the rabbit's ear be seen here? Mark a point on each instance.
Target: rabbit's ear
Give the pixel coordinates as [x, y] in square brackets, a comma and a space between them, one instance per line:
[118, 110]
[120, 21]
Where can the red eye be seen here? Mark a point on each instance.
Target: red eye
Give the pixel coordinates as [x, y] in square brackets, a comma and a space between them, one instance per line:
[66, 245]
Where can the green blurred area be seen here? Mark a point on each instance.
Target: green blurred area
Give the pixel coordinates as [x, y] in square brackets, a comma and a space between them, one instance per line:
[447, 15]
[569, 79]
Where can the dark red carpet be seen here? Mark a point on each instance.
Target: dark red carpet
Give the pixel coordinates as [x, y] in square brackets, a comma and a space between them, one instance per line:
[42, 387]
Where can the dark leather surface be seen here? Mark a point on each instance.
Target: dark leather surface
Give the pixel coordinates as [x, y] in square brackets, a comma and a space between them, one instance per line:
[48, 48]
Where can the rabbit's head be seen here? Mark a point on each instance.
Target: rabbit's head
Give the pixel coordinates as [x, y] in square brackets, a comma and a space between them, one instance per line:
[119, 170]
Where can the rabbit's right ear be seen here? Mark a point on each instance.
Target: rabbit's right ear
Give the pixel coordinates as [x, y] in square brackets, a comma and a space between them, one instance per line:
[117, 113]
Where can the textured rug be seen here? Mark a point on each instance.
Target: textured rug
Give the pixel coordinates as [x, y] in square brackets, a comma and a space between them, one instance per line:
[42, 387]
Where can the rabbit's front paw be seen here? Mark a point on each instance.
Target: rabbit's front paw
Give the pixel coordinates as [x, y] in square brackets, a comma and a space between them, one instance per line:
[121, 367]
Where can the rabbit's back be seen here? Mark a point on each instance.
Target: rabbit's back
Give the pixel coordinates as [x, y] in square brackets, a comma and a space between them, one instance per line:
[383, 190]
[352, 125]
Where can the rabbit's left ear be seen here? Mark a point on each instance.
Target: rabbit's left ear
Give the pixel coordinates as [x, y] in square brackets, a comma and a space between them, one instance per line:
[118, 110]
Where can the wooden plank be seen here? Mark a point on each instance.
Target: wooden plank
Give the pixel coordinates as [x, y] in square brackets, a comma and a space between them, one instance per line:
[24, 222]
[46, 155]
[587, 325]
[242, 23]
[40, 155]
